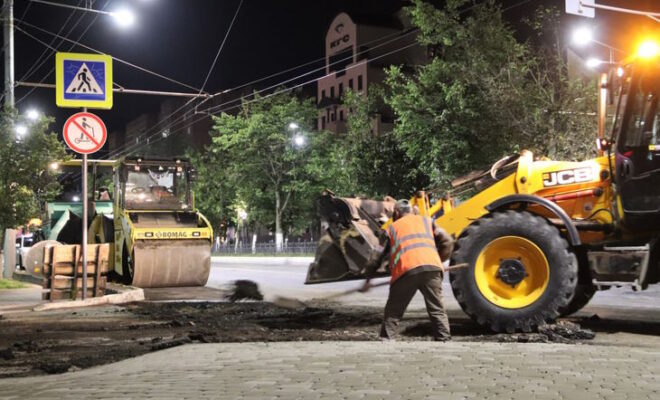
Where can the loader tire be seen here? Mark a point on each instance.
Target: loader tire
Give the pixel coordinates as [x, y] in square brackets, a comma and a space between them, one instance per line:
[583, 294]
[520, 275]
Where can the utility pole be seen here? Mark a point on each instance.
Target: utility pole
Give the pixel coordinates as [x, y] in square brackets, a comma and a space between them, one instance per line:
[8, 19]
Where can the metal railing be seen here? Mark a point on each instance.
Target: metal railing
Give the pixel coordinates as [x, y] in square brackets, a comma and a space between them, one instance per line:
[295, 248]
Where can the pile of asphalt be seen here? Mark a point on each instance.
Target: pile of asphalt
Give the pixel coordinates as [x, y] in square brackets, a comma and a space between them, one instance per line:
[243, 289]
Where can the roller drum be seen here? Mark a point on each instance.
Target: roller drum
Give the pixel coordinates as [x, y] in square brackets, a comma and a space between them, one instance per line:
[168, 263]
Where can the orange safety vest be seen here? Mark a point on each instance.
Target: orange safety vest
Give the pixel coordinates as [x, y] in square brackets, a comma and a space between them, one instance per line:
[412, 245]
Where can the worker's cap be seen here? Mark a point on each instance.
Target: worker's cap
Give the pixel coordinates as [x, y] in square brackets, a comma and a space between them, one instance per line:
[403, 206]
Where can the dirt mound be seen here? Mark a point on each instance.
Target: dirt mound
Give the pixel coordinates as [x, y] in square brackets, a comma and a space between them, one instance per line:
[560, 332]
[244, 289]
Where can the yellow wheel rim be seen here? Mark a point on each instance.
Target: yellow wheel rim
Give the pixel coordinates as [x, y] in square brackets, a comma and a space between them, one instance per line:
[511, 272]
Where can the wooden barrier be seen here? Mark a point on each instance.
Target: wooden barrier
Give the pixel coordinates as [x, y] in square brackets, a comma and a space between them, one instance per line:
[63, 271]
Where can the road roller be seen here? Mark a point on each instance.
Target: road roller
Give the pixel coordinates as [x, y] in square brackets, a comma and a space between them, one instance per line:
[160, 240]
[148, 214]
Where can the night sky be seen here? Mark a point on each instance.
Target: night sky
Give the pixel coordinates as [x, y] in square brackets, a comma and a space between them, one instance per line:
[180, 38]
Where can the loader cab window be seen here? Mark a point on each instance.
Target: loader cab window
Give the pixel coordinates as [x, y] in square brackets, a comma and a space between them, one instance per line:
[641, 127]
[637, 161]
[156, 187]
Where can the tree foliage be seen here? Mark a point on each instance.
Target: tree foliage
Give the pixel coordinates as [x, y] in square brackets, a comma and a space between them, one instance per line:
[483, 94]
[374, 163]
[273, 175]
[26, 181]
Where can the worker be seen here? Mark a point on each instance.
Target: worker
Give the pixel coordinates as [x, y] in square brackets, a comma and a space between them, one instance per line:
[416, 248]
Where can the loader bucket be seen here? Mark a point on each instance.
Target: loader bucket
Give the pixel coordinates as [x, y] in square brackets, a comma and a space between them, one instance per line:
[353, 239]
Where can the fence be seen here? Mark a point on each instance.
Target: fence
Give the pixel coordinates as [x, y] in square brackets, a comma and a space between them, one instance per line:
[297, 248]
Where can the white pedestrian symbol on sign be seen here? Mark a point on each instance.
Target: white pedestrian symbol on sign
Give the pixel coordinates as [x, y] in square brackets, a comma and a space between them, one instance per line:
[84, 82]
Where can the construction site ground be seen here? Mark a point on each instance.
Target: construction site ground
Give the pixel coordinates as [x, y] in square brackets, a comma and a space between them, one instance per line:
[193, 335]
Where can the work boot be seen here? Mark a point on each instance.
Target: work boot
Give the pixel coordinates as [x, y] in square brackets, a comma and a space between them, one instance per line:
[442, 338]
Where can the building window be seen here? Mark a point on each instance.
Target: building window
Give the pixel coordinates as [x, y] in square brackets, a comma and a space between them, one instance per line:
[322, 93]
[332, 92]
[341, 115]
[341, 89]
[350, 83]
[359, 82]
[323, 122]
[333, 116]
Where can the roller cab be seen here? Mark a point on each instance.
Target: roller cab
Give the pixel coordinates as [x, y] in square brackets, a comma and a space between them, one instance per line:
[160, 240]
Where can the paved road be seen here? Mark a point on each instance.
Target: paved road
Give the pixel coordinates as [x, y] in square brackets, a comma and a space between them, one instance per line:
[362, 370]
[286, 278]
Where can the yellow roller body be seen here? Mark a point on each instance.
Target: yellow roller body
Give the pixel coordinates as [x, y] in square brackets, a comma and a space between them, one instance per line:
[166, 263]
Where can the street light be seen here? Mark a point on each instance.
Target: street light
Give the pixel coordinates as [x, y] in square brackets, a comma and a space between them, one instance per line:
[32, 114]
[21, 130]
[593, 62]
[123, 17]
[648, 49]
[242, 214]
[299, 140]
[293, 126]
[582, 36]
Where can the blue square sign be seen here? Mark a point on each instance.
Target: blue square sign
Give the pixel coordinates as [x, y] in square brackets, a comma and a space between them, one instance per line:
[84, 80]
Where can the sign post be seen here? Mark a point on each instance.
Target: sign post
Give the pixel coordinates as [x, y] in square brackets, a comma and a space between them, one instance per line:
[84, 80]
[84, 133]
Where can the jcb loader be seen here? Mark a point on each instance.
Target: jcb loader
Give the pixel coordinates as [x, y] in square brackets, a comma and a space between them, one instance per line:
[540, 237]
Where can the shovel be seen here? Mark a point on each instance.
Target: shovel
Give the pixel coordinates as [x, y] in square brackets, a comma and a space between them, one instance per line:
[295, 304]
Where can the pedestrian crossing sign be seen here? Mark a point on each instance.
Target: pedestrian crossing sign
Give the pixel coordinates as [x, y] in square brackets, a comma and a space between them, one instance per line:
[83, 80]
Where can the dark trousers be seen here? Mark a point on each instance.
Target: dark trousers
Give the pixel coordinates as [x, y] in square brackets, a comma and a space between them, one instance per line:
[403, 290]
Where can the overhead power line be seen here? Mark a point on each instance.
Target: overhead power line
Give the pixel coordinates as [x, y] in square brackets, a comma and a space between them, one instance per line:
[52, 69]
[138, 146]
[38, 63]
[222, 45]
[156, 130]
[256, 99]
[119, 60]
[163, 123]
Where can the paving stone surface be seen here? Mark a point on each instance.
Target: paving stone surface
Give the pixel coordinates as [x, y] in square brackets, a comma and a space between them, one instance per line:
[362, 370]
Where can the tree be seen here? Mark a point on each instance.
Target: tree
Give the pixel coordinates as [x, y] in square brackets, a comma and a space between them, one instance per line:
[484, 94]
[26, 181]
[557, 111]
[376, 164]
[214, 190]
[275, 167]
[449, 111]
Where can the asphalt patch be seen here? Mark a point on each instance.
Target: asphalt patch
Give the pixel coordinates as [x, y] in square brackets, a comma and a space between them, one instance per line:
[60, 342]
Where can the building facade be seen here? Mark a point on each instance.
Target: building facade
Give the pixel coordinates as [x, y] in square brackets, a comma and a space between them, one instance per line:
[356, 52]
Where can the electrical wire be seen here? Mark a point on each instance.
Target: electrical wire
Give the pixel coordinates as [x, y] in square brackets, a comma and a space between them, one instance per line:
[38, 63]
[119, 60]
[239, 100]
[284, 90]
[222, 45]
[209, 110]
[163, 122]
[52, 69]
